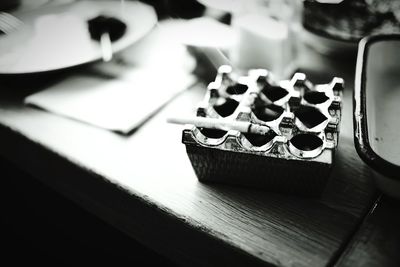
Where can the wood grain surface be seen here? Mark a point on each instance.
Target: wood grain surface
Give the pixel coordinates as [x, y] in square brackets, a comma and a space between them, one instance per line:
[144, 185]
[377, 242]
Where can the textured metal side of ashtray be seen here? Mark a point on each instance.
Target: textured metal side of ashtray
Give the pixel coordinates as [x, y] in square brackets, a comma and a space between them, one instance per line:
[276, 165]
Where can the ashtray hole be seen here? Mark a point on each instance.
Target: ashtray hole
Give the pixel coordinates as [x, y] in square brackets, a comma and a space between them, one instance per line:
[306, 142]
[258, 139]
[274, 93]
[237, 89]
[226, 106]
[314, 97]
[310, 116]
[268, 112]
[212, 133]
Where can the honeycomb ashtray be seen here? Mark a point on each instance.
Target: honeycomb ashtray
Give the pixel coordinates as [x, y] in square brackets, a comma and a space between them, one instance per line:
[296, 152]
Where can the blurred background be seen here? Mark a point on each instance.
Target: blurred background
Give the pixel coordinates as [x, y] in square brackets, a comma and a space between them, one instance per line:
[95, 61]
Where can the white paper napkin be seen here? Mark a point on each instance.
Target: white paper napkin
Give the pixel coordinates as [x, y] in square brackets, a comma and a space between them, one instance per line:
[115, 104]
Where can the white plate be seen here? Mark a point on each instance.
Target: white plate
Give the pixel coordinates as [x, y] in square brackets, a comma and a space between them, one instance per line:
[57, 37]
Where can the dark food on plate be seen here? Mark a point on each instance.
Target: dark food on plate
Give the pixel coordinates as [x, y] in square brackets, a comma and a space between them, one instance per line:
[352, 19]
[104, 24]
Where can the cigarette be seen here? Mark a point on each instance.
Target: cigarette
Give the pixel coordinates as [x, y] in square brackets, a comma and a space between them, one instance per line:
[106, 47]
[222, 124]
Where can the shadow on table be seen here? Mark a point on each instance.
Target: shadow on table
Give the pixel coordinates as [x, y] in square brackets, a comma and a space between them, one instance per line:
[38, 226]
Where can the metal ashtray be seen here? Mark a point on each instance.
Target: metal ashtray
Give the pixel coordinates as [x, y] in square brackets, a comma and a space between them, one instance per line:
[253, 131]
[377, 109]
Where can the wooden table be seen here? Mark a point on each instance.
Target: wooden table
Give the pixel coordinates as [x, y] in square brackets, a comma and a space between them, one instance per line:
[144, 185]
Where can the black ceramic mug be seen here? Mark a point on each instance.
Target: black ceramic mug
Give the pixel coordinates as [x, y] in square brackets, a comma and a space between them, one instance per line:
[377, 109]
